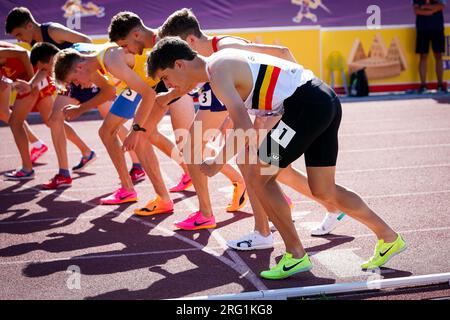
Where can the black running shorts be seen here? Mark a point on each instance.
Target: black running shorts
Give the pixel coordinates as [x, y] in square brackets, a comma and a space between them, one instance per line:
[309, 126]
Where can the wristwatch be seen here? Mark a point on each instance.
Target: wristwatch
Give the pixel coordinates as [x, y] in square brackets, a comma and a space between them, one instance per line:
[137, 127]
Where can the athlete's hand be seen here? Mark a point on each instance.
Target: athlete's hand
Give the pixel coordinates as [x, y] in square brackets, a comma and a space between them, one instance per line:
[71, 112]
[210, 167]
[164, 98]
[22, 87]
[131, 141]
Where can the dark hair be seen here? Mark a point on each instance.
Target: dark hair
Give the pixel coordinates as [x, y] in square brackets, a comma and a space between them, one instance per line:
[166, 52]
[181, 23]
[122, 24]
[18, 17]
[64, 62]
[42, 52]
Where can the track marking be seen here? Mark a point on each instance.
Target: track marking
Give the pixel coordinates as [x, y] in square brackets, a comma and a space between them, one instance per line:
[232, 264]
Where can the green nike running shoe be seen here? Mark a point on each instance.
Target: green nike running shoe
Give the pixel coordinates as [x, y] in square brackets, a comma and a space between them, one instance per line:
[287, 267]
[385, 252]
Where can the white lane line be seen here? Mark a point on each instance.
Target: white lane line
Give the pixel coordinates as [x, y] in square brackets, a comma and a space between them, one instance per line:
[422, 146]
[208, 250]
[99, 256]
[375, 133]
[344, 263]
[240, 265]
[369, 235]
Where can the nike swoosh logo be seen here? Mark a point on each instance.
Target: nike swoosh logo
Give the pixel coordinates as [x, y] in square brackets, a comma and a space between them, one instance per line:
[199, 224]
[291, 267]
[124, 197]
[241, 200]
[382, 254]
[148, 210]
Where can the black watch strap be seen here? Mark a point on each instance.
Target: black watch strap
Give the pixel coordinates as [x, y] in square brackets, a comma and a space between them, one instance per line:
[137, 127]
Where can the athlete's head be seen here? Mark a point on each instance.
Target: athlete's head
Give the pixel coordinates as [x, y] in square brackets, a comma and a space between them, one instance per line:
[42, 56]
[128, 31]
[169, 61]
[183, 24]
[19, 24]
[70, 67]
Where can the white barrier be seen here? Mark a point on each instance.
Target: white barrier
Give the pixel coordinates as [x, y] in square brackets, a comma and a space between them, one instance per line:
[283, 294]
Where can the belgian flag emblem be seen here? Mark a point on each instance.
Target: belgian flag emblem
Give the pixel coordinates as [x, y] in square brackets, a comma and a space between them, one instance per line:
[265, 87]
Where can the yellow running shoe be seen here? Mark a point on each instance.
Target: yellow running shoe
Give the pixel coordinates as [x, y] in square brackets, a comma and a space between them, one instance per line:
[287, 267]
[155, 206]
[240, 196]
[384, 252]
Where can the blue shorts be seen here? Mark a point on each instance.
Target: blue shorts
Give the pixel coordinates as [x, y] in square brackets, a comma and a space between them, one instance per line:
[82, 94]
[126, 104]
[208, 100]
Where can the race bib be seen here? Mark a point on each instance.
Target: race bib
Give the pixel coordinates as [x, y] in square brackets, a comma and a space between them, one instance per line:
[42, 84]
[129, 94]
[205, 98]
[282, 134]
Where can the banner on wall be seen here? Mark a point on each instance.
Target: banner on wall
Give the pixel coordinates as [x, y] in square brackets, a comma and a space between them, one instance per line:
[324, 35]
[93, 16]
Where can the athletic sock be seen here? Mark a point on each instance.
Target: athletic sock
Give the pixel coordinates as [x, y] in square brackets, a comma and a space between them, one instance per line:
[64, 172]
[137, 166]
[38, 144]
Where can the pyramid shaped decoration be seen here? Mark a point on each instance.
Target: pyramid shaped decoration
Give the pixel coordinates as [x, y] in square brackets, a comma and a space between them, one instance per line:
[380, 63]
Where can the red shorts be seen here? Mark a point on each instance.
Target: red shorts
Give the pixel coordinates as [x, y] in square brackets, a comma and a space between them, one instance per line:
[47, 89]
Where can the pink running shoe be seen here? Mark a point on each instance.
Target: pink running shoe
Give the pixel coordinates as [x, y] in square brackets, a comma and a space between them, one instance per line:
[137, 175]
[120, 196]
[184, 183]
[36, 153]
[196, 222]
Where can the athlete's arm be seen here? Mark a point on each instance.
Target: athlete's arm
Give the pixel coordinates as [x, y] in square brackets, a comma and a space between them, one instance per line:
[21, 54]
[116, 62]
[107, 93]
[276, 51]
[224, 87]
[61, 34]
[433, 7]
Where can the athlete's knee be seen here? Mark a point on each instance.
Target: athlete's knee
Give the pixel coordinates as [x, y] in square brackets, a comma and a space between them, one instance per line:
[106, 132]
[324, 193]
[15, 122]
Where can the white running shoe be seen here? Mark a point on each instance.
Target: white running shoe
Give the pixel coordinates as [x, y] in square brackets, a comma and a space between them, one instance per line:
[252, 241]
[329, 223]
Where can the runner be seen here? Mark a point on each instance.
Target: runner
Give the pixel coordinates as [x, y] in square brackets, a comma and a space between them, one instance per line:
[134, 102]
[311, 114]
[39, 95]
[128, 30]
[15, 65]
[21, 24]
[184, 24]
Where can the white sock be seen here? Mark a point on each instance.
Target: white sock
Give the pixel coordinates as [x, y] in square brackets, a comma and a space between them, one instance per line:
[38, 144]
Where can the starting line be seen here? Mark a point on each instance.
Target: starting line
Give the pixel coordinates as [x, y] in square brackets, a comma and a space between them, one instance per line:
[283, 294]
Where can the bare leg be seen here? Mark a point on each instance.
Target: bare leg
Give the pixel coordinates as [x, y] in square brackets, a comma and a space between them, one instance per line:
[322, 184]
[59, 128]
[22, 108]
[5, 113]
[103, 109]
[272, 199]
[108, 134]
[439, 67]
[423, 68]
[148, 158]
[196, 146]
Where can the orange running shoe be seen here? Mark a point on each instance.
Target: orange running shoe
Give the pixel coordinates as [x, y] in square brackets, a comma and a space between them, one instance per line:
[240, 196]
[155, 206]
